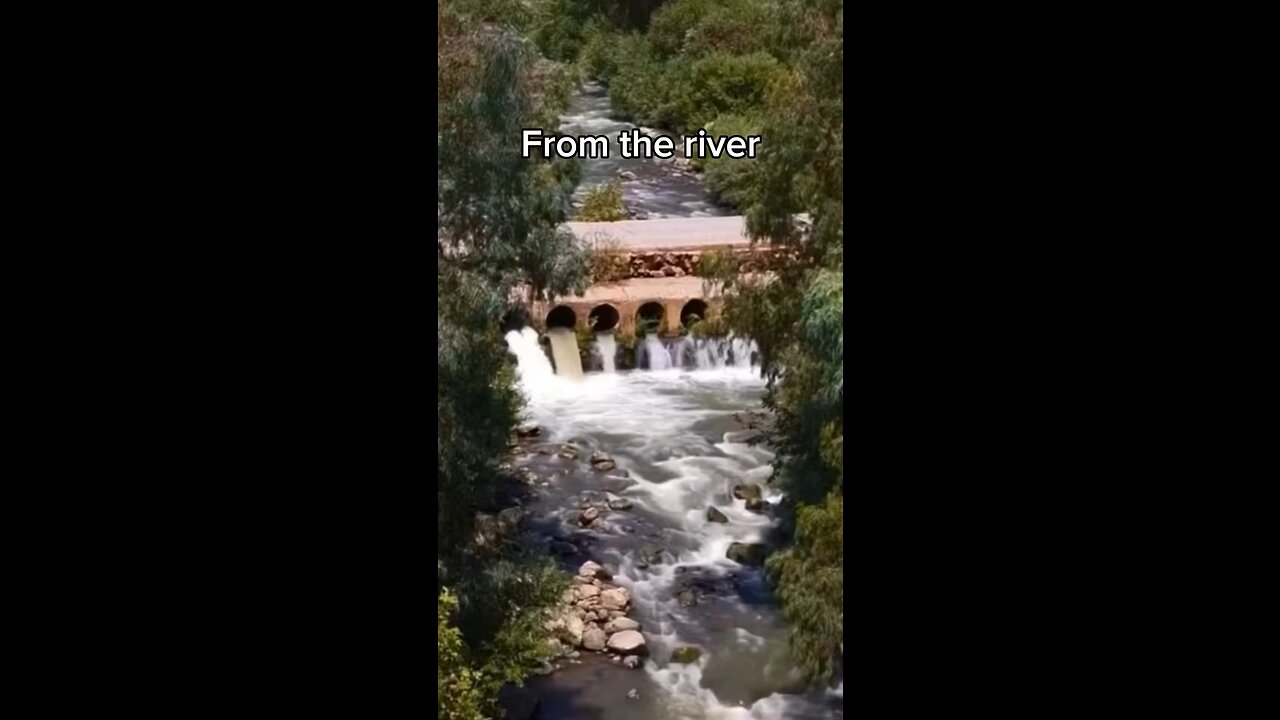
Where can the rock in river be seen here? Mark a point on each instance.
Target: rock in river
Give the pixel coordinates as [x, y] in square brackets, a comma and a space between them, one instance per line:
[589, 515]
[602, 462]
[714, 515]
[615, 599]
[757, 505]
[746, 492]
[510, 518]
[628, 642]
[529, 429]
[686, 655]
[748, 553]
[594, 570]
[593, 638]
[620, 624]
[620, 504]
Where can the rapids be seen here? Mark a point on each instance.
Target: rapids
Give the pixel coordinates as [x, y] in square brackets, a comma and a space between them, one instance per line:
[676, 435]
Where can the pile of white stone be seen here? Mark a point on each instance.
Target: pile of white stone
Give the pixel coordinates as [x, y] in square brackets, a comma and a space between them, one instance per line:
[593, 617]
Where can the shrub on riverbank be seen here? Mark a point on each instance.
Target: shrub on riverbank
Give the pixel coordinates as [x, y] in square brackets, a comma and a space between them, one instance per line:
[730, 181]
[603, 203]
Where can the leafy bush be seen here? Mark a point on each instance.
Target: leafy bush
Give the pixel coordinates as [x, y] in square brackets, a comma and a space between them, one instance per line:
[729, 180]
[610, 261]
[458, 694]
[699, 27]
[603, 203]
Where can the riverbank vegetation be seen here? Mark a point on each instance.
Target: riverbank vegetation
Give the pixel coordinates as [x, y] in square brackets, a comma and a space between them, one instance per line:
[499, 228]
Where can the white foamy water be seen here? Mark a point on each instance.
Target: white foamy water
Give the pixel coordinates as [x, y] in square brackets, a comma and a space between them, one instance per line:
[534, 368]
[653, 354]
[607, 347]
[674, 433]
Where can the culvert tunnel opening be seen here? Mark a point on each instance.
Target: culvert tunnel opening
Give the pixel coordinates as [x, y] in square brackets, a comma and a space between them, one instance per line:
[562, 316]
[603, 318]
[649, 318]
[693, 312]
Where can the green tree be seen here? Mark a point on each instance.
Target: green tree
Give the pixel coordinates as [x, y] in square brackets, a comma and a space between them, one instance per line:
[796, 316]
[500, 242]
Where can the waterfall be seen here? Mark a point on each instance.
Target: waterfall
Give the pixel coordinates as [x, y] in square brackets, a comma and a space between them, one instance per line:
[564, 350]
[656, 353]
[730, 352]
[608, 349]
[678, 351]
[533, 367]
[742, 349]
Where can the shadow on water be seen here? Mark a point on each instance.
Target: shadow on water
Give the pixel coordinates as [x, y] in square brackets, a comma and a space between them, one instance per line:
[597, 690]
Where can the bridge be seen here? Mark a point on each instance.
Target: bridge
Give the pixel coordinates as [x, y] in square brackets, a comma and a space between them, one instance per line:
[654, 265]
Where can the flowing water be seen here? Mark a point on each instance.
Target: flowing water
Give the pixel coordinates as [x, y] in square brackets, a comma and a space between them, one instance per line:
[680, 448]
[564, 350]
[651, 187]
[607, 349]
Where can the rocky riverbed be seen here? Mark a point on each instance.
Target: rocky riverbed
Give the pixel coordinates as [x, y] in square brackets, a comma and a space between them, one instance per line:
[652, 491]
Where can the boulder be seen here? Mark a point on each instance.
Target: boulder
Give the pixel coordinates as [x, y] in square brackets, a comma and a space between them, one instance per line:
[714, 515]
[510, 518]
[573, 628]
[568, 452]
[748, 553]
[687, 597]
[601, 462]
[486, 529]
[652, 554]
[686, 655]
[528, 429]
[757, 505]
[633, 661]
[587, 591]
[594, 570]
[746, 492]
[589, 516]
[620, 624]
[620, 504]
[615, 599]
[593, 638]
[627, 642]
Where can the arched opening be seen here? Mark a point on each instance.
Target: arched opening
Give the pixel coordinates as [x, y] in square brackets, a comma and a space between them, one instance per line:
[562, 316]
[649, 318]
[603, 317]
[693, 311]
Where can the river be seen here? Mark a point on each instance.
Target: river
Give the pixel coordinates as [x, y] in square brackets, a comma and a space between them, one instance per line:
[680, 443]
[651, 188]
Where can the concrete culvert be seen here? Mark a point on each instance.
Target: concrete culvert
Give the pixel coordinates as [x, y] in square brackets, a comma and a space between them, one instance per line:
[603, 317]
[649, 317]
[692, 312]
[562, 316]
